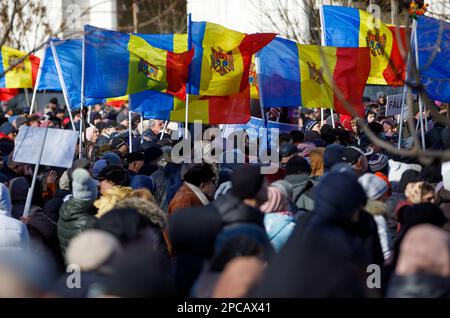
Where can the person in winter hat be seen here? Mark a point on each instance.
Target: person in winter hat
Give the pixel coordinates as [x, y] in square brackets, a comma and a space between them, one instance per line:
[410, 216]
[78, 213]
[278, 220]
[197, 190]
[332, 156]
[330, 235]
[18, 188]
[376, 191]
[378, 163]
[94, 251]
[13, 233]
[114, 186]
[423, 267]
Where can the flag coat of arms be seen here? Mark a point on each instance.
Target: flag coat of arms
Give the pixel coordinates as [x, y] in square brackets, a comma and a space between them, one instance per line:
[222, 58]
[293, 75]
[17, 73]
[350, 27]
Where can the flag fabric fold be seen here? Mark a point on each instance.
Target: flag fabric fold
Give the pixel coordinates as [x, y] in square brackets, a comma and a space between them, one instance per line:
[15, 74]
[293, 75]
[433, 37]
[350, 27]
[118, 64]
[222, 59]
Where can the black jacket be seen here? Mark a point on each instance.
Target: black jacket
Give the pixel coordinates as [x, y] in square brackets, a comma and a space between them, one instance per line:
[233, 211]
[419, 286]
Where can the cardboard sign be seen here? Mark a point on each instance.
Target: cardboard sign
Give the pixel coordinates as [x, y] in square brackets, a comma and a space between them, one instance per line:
[394, 104]
[59, 146]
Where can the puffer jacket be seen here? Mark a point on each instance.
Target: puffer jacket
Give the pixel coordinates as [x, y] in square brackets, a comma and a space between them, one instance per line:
[279, 226]
[233, 211]
[109, 200]
[75, 216]
[13, 233]
[302, 186]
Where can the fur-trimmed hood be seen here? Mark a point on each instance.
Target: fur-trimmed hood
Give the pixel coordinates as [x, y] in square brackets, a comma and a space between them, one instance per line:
[376, 207]
[150, 210]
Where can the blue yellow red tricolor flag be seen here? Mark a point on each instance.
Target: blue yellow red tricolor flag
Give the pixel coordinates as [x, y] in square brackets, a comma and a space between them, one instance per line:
[14, 74]
[118, 64]
[293, 75]
[350, 27]
[222, 59]
[232, 109]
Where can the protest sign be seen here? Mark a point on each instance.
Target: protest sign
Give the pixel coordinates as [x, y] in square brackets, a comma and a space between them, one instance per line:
[58, 146]
[46, 146]
[394, 104]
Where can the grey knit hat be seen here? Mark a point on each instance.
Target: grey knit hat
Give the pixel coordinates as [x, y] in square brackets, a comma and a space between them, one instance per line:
[84, 187]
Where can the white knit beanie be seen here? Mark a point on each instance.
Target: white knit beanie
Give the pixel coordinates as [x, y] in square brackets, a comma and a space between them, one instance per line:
[91, 249]
[373, 186]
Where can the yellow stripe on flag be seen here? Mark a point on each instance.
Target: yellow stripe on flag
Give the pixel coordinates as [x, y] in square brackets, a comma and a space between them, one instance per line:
[180, 44]
[121, 98]
[20, 76]
[253, 79]
[315, 82]
[221, 46]
[376, 35]
[198, 110]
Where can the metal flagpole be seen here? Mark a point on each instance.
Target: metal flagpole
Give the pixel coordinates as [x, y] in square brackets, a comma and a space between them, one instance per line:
[332, 118]
[63, 83]
[130, 132]
[82, 93]
[416, 50]
[186, 131]
[164, 129]
[142, 128]
[405, 90]
[38, 79]
[26, 210]
[322, 39]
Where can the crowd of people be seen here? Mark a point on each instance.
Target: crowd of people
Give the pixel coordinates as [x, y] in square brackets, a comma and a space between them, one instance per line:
[123, 223]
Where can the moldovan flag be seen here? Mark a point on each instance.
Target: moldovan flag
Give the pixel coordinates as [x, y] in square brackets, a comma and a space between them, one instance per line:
[232, 109]
[253, 80]
[118, 64]
[293, 75]
[222, 59]
[21, 75]
[350, 27]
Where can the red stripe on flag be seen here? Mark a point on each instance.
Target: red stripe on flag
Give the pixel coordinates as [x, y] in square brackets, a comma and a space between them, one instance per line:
[251, 44]
[177, 72]
[350, 76]
[8, 93]
[35, 61]
[232, 109]
[395, 72]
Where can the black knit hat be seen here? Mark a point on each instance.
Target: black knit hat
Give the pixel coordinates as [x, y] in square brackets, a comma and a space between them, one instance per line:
[134, 156]
[115, 174]
[246, 181]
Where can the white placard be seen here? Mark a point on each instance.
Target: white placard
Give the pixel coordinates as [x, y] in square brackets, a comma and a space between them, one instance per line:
[394, 104]
[59, 146]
